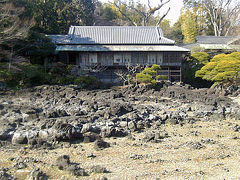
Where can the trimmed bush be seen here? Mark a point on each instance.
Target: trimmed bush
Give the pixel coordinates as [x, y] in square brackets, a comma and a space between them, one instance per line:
[143, 78]
[223, 68]
[202, 57]
[149, 75]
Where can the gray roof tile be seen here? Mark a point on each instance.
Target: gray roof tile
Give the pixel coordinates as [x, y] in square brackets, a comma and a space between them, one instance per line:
[112, 35]
[216, 39]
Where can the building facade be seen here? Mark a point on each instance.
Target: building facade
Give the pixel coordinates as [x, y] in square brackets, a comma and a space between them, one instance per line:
[114, 47]
[215, 44]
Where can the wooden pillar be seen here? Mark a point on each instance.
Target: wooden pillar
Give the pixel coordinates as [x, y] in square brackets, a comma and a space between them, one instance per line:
[45, 64]
[67, 58]
[168, 73]
[79, 59]
[111, 75]
[180, 74]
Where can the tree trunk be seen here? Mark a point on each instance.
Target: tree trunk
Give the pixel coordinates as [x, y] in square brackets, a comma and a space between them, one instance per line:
[10, 60]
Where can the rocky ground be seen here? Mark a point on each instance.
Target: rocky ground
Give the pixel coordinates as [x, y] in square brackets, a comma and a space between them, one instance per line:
[170, 132]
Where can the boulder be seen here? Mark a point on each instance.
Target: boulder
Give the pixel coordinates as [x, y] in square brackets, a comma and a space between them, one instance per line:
[20, 138]
[100, 145]
[63, 163]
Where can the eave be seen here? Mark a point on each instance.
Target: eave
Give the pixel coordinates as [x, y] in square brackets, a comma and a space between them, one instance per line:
[127, 48]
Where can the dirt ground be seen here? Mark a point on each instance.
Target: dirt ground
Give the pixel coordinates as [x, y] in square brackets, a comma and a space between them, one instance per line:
[204, 150]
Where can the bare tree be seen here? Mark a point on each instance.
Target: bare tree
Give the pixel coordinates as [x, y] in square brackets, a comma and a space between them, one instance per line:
[144, 13]
[126, 75]
[224, 14]
[122, 75]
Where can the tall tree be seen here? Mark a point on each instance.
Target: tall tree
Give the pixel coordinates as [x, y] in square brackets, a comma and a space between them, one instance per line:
[144, 13]
[12, 27]
[189, 25]
[176, 33]
[223, 15]
[202, 18]
[166, 27]
[55, 16]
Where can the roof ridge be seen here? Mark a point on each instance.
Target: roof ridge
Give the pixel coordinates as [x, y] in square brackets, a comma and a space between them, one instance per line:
[115, 26]
[168, 39]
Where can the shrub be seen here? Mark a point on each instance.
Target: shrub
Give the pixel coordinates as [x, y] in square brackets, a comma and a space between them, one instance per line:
[10, 78]
[86, 81]
[62, 80]
[143, 78]
[32, 75]
[194, 63]
[221, 69]
[27, 75]
[156, 67]
[149, 75]
[218, 57]
[158, 77]
[235, 55]
[202, 57]
[197, 49]
[149, 71]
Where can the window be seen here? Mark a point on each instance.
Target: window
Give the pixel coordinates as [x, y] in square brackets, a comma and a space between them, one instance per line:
[127, 58]
[92, 58]
[159, 58]
[152, 58]
[118, 58]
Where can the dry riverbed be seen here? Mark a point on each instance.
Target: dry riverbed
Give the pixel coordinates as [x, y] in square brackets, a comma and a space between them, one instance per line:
[170, 131]
[203, 150]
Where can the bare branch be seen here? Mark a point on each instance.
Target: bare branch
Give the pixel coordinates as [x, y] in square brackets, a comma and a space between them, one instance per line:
[128, 73]
[149, 5]
[97, 68]
[223, 15]
[125, 15]
[121, 75]
[145, 14]
[153, 10]
[161, 19]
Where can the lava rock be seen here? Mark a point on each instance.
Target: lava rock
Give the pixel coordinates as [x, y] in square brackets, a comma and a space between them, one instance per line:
[19, 138]
[100, 145]
[63, 162]
[5, 176]
[98, 169]
[37, 174]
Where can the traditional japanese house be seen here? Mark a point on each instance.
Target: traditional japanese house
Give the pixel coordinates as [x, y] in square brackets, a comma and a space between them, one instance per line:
[115, 46]
[215, 44]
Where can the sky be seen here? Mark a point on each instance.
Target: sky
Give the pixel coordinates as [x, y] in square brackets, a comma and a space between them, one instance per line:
[175, 6]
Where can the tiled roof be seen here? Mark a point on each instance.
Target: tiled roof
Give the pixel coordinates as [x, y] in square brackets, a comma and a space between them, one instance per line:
[112, 35]
[216, 39]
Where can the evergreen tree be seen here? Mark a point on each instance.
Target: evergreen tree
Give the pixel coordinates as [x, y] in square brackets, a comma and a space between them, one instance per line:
[189, 25]
[221, 69]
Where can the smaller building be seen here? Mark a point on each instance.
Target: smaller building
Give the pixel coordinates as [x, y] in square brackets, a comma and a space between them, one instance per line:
[114, 47]
[216, 44]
